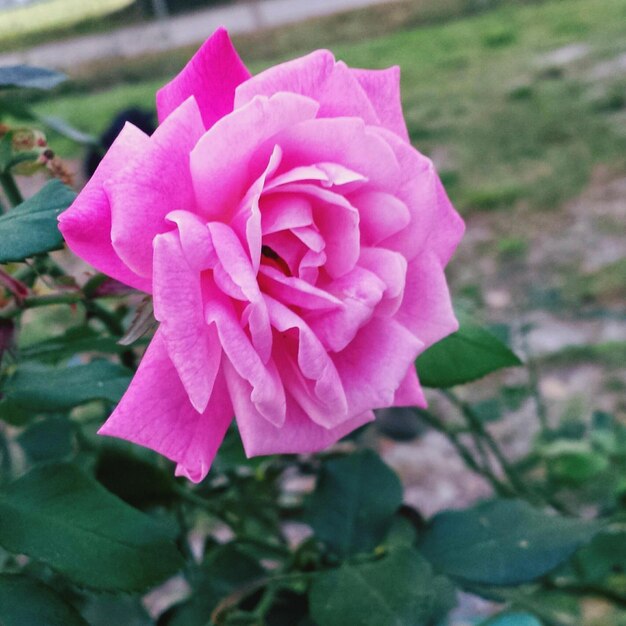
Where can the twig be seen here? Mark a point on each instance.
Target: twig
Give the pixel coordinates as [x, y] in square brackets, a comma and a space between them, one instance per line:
[486, 472]
[7, 182]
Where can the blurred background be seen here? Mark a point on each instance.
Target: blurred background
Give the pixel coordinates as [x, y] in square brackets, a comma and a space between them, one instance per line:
[522, 107]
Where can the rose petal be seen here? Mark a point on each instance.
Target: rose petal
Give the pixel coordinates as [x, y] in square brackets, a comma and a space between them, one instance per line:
[142, 195]
[338, 223]
[381, 215]
[237, 265]
[374, 364]
[410, 392]
[226, 159]
[346, 141]
[426, 309]
[86, 225]
[359, 291]
[192, 345]
[434, 222]
[383, 90]
[156, 413]
[211, 76]
[295, 291]
[298, 434]
[314, 382]
[305, 76]
[267, 391]
[391, 268]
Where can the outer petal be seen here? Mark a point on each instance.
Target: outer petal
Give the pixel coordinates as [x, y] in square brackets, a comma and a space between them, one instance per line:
[315, 75]
[86, 225]
[224, 163]
[383, 90]
[192, 345]
[410, 392]
[160, 182]
[305, 76]
[298, 435]
[375, 363]
[434, 225]
[156, 413]
[426, 309]
[211, 76]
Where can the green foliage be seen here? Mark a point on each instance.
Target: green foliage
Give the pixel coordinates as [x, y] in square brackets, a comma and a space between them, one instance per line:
[397, 590]
[31, 228]
[28, 602]
[225, 570]
[352, 508]
[468, 354]
[58, 515]
[502, 542]
[48, 389]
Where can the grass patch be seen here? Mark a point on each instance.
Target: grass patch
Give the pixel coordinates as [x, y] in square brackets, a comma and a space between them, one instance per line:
[28, 25]
[611, 354]
[471, 85]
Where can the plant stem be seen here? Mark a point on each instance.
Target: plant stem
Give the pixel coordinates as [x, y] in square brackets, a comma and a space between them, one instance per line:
[486, 472]
[476, 425]
[7, 182]
[533, 382]
[31, 302]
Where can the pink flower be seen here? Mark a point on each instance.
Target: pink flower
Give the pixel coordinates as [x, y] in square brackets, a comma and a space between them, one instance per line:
[294, 243]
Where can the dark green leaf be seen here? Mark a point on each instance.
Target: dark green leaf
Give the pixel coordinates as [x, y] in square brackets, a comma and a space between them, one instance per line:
[466, 355]
[73, 341]
[28, 76]
[106, 609]
[59, 516]
[225, 570]
[31, 227]
[573, 462]
[47, 440]
[28, 602]
[134, 479]
[49, 389]
[398, 590]
[603, 559]
[354, 503]
[502, 542]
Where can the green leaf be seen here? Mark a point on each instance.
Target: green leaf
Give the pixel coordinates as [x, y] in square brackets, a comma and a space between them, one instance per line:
[603, 559]
[107, 609]
[502, 542]
[128, 473]
[31, 227]
[28, 602]
[73, 341]
[58, 515]
[50, 389]
[47, 440]
[573, 462]
[398, 590]
[28, 76]
[225, 570]
[466, 355]
[354, 503]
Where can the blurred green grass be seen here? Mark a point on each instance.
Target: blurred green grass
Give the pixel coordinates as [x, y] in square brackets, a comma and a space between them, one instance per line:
[505, 124]
[28, 23]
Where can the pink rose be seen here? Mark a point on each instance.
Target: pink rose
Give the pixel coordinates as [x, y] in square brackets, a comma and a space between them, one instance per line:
[294, 244]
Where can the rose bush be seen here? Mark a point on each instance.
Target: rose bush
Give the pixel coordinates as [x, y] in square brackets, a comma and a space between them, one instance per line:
[294, 244]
